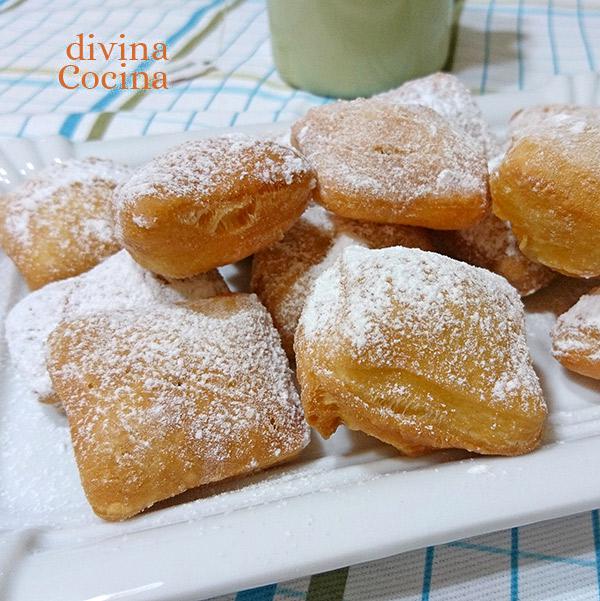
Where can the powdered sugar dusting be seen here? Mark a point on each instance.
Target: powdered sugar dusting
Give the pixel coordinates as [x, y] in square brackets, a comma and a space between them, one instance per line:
[46, 195]
[578, 330]
[206, 383]
[442, 303]
[447, 96]
[492, 244]
[378, 150]
[211, 166]
[116, 283]
[283, 274]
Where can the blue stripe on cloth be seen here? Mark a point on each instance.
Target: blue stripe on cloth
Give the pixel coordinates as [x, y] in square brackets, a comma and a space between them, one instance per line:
[487, 46]
[241, 32]
[71, 122]
[23, 126]
[284, 105]
[550, 19]
[427, 572]
[264, 593]
[252, 94]
[596, 533]
[50, 82]
[189, 122]
[581, 563]
[120, 28]
[586, 43]
[232, 71]
[514, 564]
[520, 44]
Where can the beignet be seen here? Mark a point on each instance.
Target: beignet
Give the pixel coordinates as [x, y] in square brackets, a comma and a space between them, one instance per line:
[59, 222]
[492, 245]
[163, 400]
[576, 336]
[116, 283]
[284, 273]
[548, 187]
[211, 202]
[377, 161]
[420, 351]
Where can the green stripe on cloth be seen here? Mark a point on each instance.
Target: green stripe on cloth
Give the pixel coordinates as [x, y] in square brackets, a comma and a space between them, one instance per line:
[329, 586]
[104, 120]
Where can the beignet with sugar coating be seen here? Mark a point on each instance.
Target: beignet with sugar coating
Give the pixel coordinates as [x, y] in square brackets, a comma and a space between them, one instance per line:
[211, 202]
[576, 336]
[164, 400]
[377, 161]
[420, 351]
[492, 245]
[59, 222]
[283, 274]
[548, 188]
[118, 282]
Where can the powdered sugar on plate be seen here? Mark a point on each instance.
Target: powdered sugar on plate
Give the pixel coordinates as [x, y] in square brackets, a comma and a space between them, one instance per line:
[116, 283]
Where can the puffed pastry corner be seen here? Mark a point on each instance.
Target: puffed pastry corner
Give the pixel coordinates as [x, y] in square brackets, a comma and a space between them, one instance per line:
[576, 336]
[116, 283]
[166, 399]
[420, 351]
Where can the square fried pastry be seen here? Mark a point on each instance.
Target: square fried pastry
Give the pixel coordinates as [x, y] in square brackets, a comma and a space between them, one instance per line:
[59, 222]
[116, 283]
[391, 163]
[420, 351]
[163, 400]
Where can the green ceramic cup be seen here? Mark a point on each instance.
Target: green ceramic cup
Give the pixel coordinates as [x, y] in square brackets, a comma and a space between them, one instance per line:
[350, 48]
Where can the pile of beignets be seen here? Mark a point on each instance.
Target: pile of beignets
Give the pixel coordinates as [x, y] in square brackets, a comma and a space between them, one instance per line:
[388, 266]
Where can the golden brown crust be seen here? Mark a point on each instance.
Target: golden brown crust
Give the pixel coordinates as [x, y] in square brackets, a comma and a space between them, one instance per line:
[492, 245]
[548, 187]
[283, 274]
[576, 336]
[211, 202]
[387, 163]
[164, 400]
[59, 223]
[421, 351]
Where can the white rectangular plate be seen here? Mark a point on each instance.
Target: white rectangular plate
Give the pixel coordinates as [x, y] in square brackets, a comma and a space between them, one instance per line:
[344, 501]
